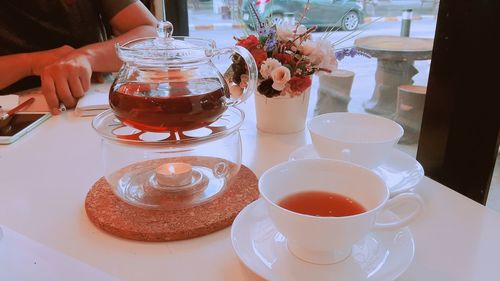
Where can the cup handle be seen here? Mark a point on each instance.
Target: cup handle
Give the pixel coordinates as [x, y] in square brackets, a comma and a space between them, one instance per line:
[400, 222]
[252, 71]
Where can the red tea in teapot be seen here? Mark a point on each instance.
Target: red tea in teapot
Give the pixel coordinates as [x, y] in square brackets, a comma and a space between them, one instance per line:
[172, 106]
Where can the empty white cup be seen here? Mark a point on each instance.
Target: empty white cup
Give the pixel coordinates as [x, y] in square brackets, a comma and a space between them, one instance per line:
[359, 138]
[326, 240]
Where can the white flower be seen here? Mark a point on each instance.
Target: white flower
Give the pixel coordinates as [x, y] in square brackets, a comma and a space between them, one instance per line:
[280, 76]
[323, 55]
[286, 31]
[268, 66]
[307, 47]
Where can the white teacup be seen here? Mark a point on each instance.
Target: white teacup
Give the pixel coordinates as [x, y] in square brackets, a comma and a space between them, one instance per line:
[326, 240]
[359, 138]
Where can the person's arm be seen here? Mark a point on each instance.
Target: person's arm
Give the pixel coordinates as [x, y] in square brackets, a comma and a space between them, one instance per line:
[132, 22]
[68, 79]
[13, 68]
[17, 66]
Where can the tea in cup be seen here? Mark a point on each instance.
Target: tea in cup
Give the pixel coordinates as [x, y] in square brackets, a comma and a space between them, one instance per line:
[362, 139]
[323, 206]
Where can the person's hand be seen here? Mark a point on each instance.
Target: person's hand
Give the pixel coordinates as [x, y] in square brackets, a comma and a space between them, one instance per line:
[66, 80]
[39, 60]
[97, 77]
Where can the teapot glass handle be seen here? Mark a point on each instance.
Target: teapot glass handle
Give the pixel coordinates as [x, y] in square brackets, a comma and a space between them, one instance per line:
[252, 71]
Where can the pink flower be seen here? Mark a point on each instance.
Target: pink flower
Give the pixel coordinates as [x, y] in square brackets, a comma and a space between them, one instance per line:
[268, 66]
[280, 76]
[235, 90]
[244, 80]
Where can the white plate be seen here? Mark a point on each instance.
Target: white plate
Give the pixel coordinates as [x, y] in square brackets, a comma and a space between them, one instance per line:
[380, 256]
[400, 171]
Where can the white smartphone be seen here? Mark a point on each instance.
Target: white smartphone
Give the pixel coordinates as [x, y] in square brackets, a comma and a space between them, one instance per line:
[20, 124]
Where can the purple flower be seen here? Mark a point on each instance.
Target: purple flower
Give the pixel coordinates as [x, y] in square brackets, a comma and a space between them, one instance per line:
[271, 41]
[349, 52]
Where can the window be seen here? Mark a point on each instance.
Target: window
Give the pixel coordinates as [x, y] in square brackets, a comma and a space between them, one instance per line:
[391, 87]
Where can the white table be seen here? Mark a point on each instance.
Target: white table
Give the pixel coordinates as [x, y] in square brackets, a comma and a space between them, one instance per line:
[45, 176]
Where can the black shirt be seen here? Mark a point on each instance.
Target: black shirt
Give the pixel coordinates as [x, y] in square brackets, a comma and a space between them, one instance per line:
[35, 25]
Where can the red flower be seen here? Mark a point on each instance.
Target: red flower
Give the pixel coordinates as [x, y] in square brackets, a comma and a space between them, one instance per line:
[259, 55]
[300, 84]
[249, 43]
[285, 59]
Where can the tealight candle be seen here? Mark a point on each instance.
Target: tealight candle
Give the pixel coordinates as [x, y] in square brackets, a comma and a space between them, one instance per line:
[174, 174]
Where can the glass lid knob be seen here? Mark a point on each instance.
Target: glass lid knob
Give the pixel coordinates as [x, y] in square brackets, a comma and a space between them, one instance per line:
[164, 29]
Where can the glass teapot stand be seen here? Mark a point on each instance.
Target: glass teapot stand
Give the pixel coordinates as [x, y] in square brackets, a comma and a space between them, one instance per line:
[171, 170]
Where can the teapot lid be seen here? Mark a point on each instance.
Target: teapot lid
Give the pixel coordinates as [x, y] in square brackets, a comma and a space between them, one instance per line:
[165, 50]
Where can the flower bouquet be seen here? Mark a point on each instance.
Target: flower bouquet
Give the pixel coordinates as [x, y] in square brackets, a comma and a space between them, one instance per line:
[286, 57]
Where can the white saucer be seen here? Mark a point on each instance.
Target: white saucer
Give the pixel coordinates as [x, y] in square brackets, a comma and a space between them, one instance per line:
[380, 256]
[400, 171]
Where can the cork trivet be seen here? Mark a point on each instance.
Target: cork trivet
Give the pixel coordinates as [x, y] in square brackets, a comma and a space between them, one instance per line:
[119, 218]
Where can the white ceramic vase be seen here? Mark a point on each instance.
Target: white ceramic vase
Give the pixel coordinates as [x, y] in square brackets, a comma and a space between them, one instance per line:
[282, 114]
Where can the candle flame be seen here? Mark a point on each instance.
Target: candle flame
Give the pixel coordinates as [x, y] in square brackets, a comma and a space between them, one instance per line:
[171, 168]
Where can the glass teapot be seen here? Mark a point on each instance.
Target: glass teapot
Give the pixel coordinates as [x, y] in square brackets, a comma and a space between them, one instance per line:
[171, 84]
